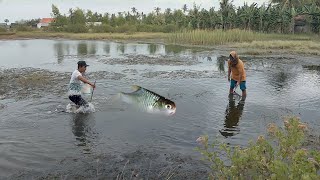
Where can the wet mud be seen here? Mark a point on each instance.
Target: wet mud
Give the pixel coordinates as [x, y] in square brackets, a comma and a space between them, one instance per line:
[133, 165]
[181, 74]
[149, 60]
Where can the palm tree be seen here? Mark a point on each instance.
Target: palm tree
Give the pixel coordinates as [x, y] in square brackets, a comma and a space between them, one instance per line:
[6, 21]
[133, 10]
[157, 9]
[184, 8]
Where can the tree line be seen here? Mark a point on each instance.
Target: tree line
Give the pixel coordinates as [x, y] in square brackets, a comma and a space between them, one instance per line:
[278, 16]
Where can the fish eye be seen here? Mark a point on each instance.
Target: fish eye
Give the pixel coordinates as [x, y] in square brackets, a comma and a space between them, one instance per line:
[168, 106]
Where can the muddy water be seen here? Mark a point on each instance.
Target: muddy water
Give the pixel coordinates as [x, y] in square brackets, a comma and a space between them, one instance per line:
[38, 139]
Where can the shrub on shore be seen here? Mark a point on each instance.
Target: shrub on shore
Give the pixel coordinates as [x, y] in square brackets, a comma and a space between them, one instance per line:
[280, 157]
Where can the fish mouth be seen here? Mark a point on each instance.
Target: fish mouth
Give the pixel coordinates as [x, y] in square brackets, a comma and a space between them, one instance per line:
[172, 113]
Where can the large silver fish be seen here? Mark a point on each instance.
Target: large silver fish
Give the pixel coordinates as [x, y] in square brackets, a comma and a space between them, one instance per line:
[148, 101]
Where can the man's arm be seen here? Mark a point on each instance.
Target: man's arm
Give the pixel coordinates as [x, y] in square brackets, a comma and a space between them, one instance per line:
[229, 72]
[81, 78]
[240, 69]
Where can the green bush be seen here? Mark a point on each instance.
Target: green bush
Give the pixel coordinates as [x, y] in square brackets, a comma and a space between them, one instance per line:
[126, 29]
[3, 29]
[146, 28]
[56, 29]
[169, 28]
[76, 28]
[281, 157]
[24, 28]
[105, 28]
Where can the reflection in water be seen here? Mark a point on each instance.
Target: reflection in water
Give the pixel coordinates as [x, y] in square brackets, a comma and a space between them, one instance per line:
[233, 115]
[58, 47]
[93, 49]
[121, 48]
[82, 48]
[174, 49]
[152, 48]
[220, 64]
[83, 130]
[280, 80]
[107, 48]
[134, 48]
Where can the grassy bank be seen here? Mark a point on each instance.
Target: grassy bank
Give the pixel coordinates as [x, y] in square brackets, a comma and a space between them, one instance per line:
[219, 37]
[248, 42]
[253, 43]
[88, 36]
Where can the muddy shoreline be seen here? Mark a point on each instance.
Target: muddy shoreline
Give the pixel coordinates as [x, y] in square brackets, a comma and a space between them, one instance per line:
[139, 164]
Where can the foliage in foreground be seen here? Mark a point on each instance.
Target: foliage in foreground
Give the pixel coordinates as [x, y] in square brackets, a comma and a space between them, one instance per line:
[280, 157]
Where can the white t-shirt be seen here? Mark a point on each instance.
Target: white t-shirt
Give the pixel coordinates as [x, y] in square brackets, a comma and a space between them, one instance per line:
[75, 84]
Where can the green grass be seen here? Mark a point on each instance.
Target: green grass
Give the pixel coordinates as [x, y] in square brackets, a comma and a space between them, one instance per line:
[219, 37]
[250, 42]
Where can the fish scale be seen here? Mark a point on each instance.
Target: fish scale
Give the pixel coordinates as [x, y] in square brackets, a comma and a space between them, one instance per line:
[144, 97]
[148, 99]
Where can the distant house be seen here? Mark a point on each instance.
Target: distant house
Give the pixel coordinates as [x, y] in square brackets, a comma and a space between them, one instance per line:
[13, 25]
[44, 22]
[93, 23]
[300, 24]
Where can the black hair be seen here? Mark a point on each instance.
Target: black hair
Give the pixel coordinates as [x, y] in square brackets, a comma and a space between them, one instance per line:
[79, 66]
[231, 58]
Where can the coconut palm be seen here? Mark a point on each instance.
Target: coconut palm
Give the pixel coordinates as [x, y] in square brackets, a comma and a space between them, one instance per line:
[157, 9]
[184, 8]
[6, 21]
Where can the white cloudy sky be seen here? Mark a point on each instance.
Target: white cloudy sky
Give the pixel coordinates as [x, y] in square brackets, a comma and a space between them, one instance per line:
[27, 9]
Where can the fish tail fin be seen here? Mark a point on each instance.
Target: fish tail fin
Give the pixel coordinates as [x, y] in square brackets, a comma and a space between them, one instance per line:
[116, 97]
[135, 87]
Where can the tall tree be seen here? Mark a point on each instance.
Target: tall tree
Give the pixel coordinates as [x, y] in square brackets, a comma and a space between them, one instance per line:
[6, 21]
[185, 8]
[134, 10]
[157, 9]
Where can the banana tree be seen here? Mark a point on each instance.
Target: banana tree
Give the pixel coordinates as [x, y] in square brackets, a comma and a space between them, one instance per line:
[314, 13]
[248, 14]
[225, 12]
[262, 14]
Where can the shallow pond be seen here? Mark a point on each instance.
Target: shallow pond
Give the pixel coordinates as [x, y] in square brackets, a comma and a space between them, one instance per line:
[37, 137]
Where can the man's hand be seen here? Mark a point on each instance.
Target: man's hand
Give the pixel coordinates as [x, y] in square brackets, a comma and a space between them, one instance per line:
[93, 85]
[238, 83]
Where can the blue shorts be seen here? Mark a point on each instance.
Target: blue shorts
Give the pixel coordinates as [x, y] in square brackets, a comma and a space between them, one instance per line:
[242, 84]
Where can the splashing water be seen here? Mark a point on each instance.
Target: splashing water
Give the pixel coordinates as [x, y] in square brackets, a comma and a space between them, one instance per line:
[72, 108]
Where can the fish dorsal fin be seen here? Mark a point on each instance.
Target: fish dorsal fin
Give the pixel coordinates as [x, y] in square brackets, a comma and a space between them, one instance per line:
[135, 87]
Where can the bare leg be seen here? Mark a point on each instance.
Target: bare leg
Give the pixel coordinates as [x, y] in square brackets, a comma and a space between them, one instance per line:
[231, 91]
[244, 94]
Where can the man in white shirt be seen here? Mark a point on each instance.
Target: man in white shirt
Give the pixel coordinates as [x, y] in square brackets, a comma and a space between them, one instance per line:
[75, 84]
